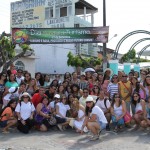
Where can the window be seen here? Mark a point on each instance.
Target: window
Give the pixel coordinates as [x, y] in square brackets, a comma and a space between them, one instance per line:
[19, 65]
[76, 25]
[63, 12]
[48, 12]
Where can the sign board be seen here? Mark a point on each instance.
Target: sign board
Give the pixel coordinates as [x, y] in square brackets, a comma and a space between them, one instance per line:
[60, 35]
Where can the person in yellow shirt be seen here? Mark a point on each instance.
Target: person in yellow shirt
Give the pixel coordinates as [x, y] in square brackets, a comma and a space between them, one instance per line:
[125, 91]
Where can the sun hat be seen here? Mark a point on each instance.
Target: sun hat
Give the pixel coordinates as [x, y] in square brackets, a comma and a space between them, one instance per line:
[90, 99]
[108, 69]
[57, 96]
[25, 94]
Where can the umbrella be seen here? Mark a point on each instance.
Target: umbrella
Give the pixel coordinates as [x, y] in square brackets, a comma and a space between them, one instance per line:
[89, 70]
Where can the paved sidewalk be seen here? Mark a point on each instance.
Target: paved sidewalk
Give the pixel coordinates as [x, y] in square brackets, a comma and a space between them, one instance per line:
[69, 140]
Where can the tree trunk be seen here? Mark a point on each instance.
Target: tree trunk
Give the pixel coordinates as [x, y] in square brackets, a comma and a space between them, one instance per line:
[7, 64]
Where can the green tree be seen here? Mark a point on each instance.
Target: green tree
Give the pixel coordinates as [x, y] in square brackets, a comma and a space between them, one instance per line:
[7, 51]
[79, 61]
[130, 55]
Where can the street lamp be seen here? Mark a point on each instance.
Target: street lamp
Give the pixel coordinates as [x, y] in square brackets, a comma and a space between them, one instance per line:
[115, 35]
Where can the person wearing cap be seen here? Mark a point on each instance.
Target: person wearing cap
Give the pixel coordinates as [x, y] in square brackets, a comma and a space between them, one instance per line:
[25, 111]
[95, 119]
[54, 102]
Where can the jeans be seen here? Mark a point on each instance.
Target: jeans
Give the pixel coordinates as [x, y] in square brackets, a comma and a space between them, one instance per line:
[119, 122]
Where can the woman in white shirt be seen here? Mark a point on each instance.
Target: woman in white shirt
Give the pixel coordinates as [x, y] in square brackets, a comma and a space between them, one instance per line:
[118, 110]
[25, 111]
[77, 107]
[95, 119]
[61, 111]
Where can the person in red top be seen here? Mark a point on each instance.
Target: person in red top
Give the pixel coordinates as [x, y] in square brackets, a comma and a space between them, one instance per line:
[37, 97]
[7, 118]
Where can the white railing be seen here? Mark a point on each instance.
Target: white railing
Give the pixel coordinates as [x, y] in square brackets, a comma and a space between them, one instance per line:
[79, 20]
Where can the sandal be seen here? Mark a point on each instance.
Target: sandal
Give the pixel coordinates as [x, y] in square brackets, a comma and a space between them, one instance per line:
[5, 132]
[116, 129]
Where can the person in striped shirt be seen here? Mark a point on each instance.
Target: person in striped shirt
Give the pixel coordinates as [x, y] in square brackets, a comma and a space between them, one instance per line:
[112, 86]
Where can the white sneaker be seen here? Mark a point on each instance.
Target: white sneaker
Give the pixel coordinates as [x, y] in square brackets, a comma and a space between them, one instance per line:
[95, 137]
[60, 127]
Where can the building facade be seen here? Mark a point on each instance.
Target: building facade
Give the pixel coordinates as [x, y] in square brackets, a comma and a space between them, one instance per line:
[52, 58]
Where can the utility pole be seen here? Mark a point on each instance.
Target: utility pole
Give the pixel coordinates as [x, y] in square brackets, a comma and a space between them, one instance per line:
[104, 44]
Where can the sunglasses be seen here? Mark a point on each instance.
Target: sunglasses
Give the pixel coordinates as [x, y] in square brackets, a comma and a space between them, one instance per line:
[25, 97]
[124, 76]
[117, 96]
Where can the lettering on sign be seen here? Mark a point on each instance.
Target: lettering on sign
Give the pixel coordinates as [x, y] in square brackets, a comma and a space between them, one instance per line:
[58, 2]
[26, 4]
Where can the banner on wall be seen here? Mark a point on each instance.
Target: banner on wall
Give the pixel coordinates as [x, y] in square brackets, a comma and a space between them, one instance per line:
[60, 35]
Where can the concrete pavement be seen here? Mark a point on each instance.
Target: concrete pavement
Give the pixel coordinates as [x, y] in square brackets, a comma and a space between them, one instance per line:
[69, 140]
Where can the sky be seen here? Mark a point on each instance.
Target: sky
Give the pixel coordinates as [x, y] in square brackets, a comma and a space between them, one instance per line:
[122, 17]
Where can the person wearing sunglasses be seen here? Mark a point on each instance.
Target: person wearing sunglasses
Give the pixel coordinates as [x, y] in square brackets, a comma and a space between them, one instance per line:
[95, 119]
[25, 111]
[140, 109]
[118, 110]
[113, 86]
[82, 99]
[61, 110]
[125, 91]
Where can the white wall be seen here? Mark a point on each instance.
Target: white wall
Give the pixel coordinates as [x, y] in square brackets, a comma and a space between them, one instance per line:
[52, 59]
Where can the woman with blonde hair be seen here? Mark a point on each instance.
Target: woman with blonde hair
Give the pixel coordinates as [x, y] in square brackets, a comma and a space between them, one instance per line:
[32, 87]
[80, 110]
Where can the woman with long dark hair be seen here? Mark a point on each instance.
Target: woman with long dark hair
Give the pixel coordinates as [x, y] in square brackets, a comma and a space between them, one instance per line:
[42, 114]
[7, 117]
[95, 119]
[118, 110]
[140, 109]
[39, 79]
[137, 87]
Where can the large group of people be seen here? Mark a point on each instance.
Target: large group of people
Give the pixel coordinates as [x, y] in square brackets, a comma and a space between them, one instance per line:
[90, 102]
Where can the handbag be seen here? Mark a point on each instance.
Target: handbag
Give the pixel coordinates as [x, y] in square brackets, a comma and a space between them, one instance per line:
[127, 117]
[52, 120]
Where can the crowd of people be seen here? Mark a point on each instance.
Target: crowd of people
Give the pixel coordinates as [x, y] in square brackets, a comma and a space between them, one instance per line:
[90, 102]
